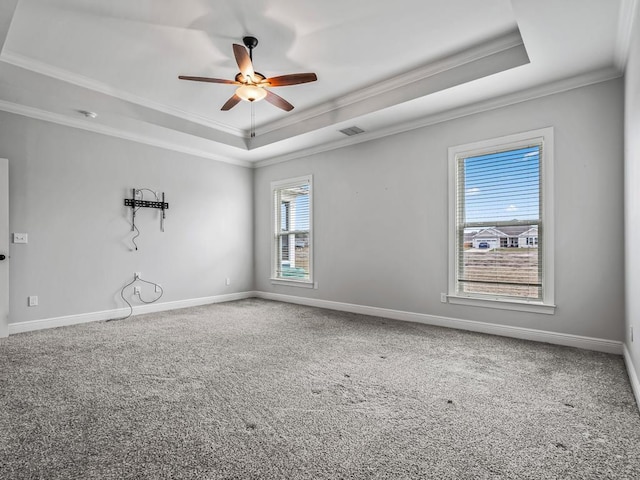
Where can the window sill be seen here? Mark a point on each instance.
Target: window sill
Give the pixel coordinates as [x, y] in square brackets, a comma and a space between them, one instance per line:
[292, 283]
[532, 307]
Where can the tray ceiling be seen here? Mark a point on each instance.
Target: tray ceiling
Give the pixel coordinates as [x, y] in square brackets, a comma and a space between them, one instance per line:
[383, 66]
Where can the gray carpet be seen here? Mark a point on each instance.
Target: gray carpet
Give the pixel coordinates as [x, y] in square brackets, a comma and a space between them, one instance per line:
[264, 390]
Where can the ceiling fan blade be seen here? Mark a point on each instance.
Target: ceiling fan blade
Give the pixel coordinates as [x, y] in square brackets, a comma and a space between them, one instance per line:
[207, 79]
[232, 102]
[278, 101]
[292, 79]
[243, 60]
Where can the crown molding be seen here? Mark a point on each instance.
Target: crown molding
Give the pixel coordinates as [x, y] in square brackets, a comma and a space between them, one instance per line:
[95, 127]
[491, 47]
[479, 107]
[559, 86]
[626, 20]
[90, 84]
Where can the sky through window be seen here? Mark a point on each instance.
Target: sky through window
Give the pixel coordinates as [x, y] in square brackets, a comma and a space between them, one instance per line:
[502, 186]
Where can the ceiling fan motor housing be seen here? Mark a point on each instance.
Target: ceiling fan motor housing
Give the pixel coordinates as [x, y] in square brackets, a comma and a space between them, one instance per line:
[257, 77]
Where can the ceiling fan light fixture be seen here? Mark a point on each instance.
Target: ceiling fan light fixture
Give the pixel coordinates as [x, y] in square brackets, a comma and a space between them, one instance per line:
[253, 85]
[251, 93]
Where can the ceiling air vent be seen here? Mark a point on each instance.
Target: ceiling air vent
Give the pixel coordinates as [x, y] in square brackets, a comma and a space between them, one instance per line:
[351, 131]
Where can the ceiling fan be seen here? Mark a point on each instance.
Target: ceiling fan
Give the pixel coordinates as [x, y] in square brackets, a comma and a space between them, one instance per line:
[253, 85]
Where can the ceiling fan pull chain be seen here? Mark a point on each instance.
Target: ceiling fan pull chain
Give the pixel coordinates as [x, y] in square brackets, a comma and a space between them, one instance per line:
[253, 121]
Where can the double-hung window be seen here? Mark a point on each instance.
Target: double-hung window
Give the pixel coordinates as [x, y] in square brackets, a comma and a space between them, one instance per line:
[292, 226]
[501, 222]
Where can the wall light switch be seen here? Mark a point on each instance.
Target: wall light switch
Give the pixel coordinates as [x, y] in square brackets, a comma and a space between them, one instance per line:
[32, 301]
[20, 238]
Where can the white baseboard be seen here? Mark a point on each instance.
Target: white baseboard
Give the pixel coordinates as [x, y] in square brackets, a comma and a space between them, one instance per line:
[633, 375]
[587, 343]
[32, 325]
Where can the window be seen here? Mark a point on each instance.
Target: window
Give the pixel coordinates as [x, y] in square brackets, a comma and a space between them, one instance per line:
[292, 249]
[501, 222]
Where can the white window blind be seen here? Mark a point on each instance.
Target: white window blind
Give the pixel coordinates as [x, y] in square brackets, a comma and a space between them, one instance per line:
[500, 223]
[292, 229]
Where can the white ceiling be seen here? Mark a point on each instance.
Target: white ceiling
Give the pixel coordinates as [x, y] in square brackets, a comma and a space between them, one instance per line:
[383, 66]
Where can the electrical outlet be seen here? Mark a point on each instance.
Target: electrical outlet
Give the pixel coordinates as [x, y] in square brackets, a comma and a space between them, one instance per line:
[136, 290]
[20, 238]
[137, 275]
[443, 297]
[158, 288]
[227, 281]
[32, 301]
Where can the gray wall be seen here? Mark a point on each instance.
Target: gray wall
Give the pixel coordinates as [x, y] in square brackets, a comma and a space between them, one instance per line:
[380, 215]
[632, 195]
[66, 191]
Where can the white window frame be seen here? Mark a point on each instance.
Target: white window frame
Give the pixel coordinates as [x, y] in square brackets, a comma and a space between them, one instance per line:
[275, 226]
[515, 141]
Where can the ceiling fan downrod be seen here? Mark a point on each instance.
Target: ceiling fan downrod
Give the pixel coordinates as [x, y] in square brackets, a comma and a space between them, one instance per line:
[251, 43]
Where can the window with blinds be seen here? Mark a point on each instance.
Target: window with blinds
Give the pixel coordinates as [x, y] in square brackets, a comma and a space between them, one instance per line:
[292, 229]
[499, 221]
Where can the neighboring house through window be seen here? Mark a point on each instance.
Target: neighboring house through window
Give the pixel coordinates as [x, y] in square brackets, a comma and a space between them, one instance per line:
[501, 222]
[292, 223]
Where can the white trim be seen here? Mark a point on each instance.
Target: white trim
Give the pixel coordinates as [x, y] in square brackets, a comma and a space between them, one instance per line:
[5, 280]
[564, 85]
[85, 82]
[475, 53]
[93, 126]
[291, 283]
[67, 320]
[548, 219]
[277, 185]
[543, 136]
[577, 341]
[559, 86]
[504, 142]
[502, 304]
[626, 20]
[555, 338]
[291, 182]
[633, 375]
